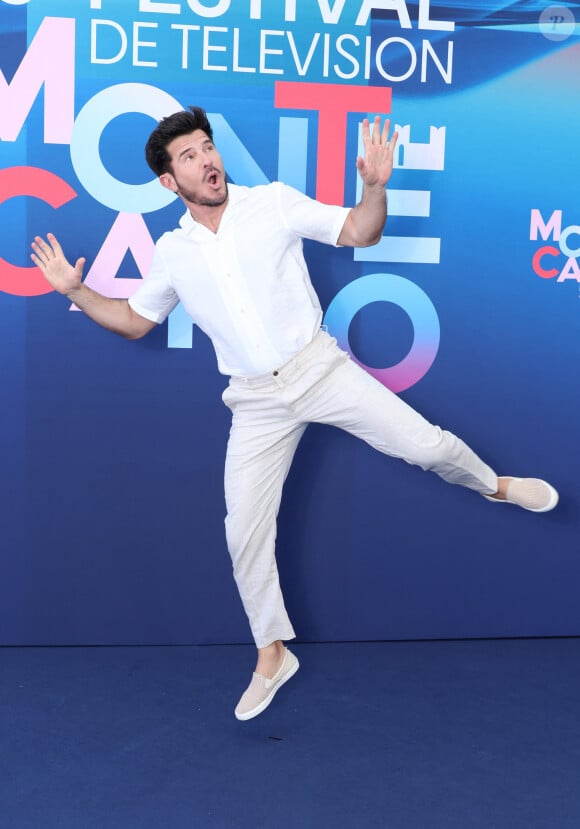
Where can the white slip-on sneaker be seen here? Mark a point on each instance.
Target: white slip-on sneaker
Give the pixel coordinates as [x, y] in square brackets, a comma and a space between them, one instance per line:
[260, 692]
[529, 493]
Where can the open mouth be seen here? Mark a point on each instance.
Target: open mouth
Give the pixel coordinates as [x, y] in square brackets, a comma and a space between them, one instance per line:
[213, 178]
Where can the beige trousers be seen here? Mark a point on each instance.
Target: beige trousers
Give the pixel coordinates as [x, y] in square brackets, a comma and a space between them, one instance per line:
[269, 415]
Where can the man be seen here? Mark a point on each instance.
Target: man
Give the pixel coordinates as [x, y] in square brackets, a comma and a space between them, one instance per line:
[236, 264]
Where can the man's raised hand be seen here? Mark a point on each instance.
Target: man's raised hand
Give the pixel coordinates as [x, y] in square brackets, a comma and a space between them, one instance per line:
[376, 166]
[49, 257]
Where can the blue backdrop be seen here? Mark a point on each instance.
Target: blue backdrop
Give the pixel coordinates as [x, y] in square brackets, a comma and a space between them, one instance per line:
[111, 451]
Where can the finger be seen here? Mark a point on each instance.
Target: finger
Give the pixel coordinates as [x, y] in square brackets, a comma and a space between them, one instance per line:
[38, 262]
[42, 247]
[385, 132]
[40, 255]
[377, 130]
[54, 242]
[366, 131]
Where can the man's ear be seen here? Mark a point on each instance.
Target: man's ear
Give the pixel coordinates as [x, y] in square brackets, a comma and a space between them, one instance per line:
[168, 182]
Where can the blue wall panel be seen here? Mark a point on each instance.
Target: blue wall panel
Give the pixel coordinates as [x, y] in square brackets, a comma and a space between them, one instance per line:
[111, 452]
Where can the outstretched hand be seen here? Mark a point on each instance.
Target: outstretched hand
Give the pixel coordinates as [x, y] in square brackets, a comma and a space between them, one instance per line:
[376, 166]
[49, 257]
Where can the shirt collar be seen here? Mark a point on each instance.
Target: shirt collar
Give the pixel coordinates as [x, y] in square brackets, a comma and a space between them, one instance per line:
[236, 194]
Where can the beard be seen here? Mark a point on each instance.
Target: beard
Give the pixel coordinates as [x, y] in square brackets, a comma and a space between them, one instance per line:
[192, 197]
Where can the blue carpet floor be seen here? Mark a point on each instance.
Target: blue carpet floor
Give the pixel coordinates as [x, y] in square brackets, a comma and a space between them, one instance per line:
[409, 735]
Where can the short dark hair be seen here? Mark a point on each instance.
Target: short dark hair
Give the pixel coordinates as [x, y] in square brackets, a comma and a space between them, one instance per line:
[180, 123]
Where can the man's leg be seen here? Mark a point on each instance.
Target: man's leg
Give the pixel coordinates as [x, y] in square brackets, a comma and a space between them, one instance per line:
[348, 397]
[258, 459]
[320, 385]
[262, 443]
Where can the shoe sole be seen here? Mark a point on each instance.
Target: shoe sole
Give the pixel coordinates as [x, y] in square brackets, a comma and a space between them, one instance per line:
[266, 702]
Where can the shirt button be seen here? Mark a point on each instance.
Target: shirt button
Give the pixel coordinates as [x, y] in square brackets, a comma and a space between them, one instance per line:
[275, 373]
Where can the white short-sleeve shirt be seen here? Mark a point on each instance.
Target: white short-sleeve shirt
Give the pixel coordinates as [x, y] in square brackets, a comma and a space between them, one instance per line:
[247, 286]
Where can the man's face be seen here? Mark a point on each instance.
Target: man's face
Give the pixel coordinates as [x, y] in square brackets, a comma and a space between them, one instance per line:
[197, 171]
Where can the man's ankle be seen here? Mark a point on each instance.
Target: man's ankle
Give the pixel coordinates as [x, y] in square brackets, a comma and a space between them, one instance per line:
[270, 658]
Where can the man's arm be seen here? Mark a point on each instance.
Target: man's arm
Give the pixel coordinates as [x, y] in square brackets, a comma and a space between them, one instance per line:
[365, 222]
[113, 314]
